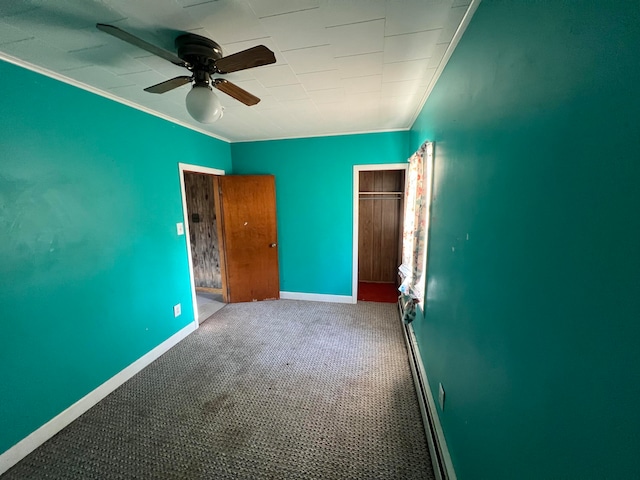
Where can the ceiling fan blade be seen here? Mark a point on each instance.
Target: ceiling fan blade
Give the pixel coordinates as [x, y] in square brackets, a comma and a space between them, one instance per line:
[252, 57]
[235, 91]
[138, 42]
[163, 87]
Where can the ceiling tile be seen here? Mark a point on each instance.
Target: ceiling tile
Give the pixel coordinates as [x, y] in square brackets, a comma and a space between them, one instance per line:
[410, 16]
[402, 101]
[363, 111]
[409, 70]
[453, 21]
[156, 35]
[162, 66]
[281, 117]
[329, 95]
[437, 54]
[296, 30]
[268, 129]
[310, 59]
[339, 12]
[428, 77]
[410, 46]
[144, 79]
[302, 108]
[174, 110]
[267, 102]
[370, 83]
[180, 113]
[402, 88]
[357, 38]
[254, 121]
[72, 40]
[276, 75]
[320, 80]
[165, 17]
[227, 21]
[65, 15]
[368, 100]
[10, 8]
[268, 9]
[176, 96]
[296, 128]
[288, 92]
[10, 34]
[128, 91]
[112, 56]
[188, 3]
[97, 76]
[360, 65]
[330, 110]
[39, 53]
[254, 87]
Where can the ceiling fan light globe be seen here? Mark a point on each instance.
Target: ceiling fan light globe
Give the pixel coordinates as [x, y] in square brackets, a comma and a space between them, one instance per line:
[203, 105]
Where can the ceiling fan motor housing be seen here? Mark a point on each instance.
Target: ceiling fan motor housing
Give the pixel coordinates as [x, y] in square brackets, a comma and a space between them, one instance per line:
[199, 52]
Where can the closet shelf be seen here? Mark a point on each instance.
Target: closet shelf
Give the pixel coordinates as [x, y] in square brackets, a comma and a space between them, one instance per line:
[381, 193]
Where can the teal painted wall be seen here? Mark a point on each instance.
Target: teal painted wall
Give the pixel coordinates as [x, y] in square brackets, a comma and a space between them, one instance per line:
[90, 263]
[532, 324]
[314, 196]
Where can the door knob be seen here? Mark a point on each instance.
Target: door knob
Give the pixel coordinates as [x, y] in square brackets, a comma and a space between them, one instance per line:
[273, 245]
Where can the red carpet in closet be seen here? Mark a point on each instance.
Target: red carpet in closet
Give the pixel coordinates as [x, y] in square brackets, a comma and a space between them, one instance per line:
[377, 292]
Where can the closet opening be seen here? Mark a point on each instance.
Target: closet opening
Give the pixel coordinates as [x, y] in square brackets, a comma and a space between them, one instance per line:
[203, 230]
[378, 219]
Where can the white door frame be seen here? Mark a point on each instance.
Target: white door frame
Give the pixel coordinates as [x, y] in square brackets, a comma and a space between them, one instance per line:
[356, 214]
[185, 167]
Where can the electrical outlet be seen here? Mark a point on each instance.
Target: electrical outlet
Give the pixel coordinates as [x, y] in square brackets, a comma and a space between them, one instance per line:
[441, 396]
[177, 310]
[180, 228]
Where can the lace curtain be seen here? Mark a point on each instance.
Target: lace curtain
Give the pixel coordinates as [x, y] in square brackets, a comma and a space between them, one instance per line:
[414, 235]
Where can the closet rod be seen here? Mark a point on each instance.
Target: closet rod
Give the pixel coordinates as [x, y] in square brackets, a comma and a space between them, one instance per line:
[381, 198]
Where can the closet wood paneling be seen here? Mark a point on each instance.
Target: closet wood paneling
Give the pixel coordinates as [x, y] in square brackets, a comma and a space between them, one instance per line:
[205, 251]
[379, 228]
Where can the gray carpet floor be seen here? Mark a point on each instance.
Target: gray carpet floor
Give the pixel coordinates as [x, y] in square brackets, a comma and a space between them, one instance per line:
[265, 390]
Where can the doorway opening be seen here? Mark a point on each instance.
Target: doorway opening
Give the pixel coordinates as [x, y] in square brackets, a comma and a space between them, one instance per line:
[377, 231]
[203, 232]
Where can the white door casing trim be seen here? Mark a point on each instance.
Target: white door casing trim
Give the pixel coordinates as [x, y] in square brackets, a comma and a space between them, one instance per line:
[356, 218]
[182, 168]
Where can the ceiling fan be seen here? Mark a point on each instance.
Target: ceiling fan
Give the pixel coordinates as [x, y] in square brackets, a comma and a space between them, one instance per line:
[203, 57]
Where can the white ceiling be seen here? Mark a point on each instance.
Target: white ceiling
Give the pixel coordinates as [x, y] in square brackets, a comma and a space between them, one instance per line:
[342, 66]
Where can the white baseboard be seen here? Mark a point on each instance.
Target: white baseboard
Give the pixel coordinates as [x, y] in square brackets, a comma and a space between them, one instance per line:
[442, 464]
[28, 444]
[317, 297]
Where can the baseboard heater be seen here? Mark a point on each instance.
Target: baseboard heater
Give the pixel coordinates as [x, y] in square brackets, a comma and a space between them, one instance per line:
[440, 459]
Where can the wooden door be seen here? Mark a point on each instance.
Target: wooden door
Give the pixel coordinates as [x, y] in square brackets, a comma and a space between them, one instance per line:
[248, 212]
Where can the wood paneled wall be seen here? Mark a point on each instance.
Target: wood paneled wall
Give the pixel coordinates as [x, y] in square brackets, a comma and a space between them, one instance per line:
[380, 225]
[205, 250]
